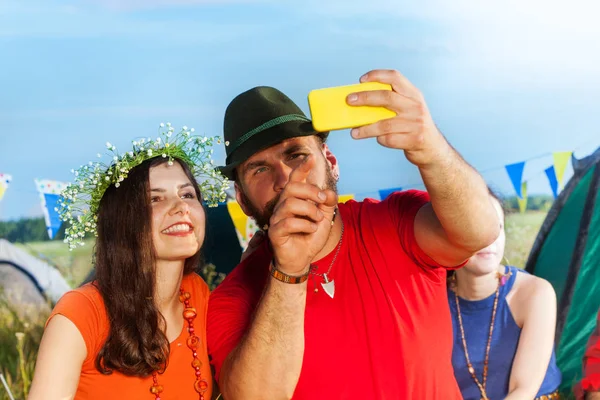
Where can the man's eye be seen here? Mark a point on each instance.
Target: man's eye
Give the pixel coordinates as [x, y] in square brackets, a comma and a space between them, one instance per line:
[259, 170]
[297, 155]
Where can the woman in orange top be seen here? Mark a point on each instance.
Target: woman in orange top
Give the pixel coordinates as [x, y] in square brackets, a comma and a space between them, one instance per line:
[138, 330]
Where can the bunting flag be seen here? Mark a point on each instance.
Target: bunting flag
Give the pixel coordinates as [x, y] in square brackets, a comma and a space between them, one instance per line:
[552, 179]
[345, 197]
[523, 201]
[386, 192]
[4, 181]
[515, 173]
[49, 195]
[245, 227]
[561, 159]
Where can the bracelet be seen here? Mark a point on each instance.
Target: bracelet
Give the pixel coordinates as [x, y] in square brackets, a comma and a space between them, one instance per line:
[285, 278]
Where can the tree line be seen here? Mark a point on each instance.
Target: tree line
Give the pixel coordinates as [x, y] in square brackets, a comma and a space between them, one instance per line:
[26, 230]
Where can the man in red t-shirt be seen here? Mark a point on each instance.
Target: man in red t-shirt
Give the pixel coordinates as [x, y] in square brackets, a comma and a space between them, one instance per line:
[342, 301]
[589, 387]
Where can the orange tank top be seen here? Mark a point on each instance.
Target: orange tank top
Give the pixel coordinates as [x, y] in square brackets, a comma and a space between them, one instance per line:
[85, 308]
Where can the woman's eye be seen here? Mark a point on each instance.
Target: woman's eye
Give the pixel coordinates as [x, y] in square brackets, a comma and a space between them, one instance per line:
[189, 196]
[154, 199]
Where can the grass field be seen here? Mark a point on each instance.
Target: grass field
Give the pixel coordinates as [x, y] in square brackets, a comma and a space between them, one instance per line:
[19, 339]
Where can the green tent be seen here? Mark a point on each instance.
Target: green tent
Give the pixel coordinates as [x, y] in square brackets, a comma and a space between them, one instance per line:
[566, 252]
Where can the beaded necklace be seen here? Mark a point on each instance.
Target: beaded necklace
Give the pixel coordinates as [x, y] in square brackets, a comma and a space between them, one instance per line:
[481, 385]
[189, 314]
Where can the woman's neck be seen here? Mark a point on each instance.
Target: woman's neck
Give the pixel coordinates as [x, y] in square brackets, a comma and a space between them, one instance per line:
[168, 281]
[475, 287]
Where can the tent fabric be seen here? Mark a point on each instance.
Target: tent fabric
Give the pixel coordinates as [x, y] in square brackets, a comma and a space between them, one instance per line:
[567, 253]
[43, 276]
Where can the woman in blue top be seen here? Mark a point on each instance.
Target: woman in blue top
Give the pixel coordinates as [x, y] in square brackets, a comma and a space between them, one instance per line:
[504, 321]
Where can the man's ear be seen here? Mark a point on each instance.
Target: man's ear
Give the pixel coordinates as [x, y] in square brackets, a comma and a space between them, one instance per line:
[331, 161]
[241, 199]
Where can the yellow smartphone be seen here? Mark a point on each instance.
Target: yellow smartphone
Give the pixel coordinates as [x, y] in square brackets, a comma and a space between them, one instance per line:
[329, 110]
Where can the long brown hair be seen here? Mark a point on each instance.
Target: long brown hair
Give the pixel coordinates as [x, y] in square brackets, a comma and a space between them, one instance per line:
[125, 276]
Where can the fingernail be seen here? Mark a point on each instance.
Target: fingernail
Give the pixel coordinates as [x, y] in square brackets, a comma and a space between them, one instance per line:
[363, 78]
[354, 133]
[352, 98]
[322, 196]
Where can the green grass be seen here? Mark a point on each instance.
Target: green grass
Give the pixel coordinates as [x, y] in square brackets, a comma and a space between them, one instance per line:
[18, 352]
[521, 231]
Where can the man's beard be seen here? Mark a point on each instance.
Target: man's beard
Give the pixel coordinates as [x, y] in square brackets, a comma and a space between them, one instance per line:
[262, 217]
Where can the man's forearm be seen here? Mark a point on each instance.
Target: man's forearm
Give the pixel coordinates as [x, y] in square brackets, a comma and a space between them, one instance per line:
[267, 362]
[592, 396]
[460, 199]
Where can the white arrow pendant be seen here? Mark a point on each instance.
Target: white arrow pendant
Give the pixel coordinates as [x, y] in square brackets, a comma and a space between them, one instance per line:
[328, 286]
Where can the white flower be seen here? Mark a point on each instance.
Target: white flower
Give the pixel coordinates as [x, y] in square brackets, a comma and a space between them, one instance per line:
[185, 128]
[149, 152]
[192, 130]
[99, 155]
[164, 155]
[90, 163]
[166, 144]
[162, 125]
[72, 171]
[158, 140]
[168, 124]
[106, 178]
[131, 153]
[115, 158]
[108, 145]
[117, 184]
[170, 163]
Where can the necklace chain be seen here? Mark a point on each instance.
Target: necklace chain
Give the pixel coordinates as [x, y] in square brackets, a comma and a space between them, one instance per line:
[337, 251]
[481, 385]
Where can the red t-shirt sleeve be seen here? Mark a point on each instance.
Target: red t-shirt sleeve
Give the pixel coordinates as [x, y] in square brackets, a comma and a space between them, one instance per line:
[231, 306]
[591, 364]
[80, 308]
[402, 208]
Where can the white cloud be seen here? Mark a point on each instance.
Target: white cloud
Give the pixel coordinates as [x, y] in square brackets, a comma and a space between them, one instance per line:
[524, 41]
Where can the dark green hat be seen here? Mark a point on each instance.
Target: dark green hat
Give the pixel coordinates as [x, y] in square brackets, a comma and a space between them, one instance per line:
[257, 119]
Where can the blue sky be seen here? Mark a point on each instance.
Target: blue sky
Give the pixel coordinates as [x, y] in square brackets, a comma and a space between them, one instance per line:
[505, 81]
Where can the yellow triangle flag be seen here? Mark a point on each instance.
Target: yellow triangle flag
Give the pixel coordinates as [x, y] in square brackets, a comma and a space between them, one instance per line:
[523, 201]
[238, 217]
[345, 197]
[561, 159]
[2, 190]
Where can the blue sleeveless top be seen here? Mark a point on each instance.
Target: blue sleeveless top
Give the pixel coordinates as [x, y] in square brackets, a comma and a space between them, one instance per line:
[476, 316]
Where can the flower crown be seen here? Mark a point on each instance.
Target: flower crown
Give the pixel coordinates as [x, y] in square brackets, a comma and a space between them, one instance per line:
[80, 200]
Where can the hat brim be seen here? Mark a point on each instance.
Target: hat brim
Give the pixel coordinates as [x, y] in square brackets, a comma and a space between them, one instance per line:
[266, 139]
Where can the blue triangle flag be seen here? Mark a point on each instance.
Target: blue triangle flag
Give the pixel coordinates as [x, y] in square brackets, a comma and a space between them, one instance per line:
[53, 222]
[515, 173]
[386, 192]
[551, 174]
